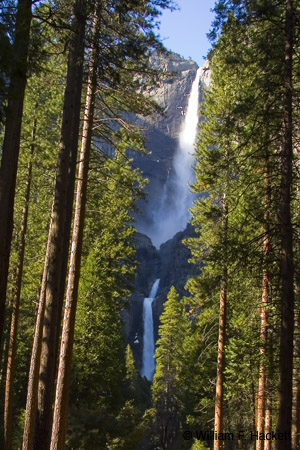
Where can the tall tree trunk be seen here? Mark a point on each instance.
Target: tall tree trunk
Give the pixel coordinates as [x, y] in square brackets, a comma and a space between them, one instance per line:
[55, 288]
[52, 266]
[65, 359]
[12, 346]
[219, 410]
[296, 368]
[287, 267]
[11, 143]
[263, 313]
[31, 401]
[296, 385]
[269, 393]
[262, 376]
[268, 419]
[254, 412]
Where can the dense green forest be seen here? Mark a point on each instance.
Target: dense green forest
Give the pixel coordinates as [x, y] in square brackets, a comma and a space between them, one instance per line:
[227, 358]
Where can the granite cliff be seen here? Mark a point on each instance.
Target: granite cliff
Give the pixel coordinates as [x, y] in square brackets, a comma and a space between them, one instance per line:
[162, 131]
[170, 264]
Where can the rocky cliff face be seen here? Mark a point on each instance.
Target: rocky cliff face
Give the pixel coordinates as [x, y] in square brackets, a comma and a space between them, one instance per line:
[161, 132]
[170, 264]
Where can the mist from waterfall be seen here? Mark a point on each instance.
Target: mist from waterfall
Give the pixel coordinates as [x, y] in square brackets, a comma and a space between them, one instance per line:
[173, 213]
[148, 367]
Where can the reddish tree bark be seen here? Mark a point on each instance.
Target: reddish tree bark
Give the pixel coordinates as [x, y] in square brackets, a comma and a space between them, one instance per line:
[52, 266]
[268, 421]
[263, 313]
[269, 388]
[12, 345]
[286, 231]
[55, 287]
[219, 410]
[65, 359]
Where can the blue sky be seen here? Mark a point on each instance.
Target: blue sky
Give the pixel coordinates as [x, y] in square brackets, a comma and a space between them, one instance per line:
[184, 31]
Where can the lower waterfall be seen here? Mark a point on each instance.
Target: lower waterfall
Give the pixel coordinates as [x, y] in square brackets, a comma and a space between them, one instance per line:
[148, 367]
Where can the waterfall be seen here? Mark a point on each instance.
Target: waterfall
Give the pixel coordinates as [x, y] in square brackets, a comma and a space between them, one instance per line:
[184, 157]
[173, 213]
[148, 340]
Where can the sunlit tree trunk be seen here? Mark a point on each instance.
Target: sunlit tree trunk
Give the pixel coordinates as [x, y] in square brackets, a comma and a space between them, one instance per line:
[65, 358]
[263, 315]
[287, 267]
[31, 401]
[219, 410]
[268, 419]
[269, 396]
[52, 266]
[55, 287]
[12, 346]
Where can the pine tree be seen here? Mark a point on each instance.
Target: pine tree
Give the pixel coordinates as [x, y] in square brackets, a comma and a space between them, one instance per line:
[41, 115]
[246, 125]
[56, 229]
[64, 369]
[261, 390]
[280, 56]
[96, 411]
[284, 423]
[219, 415]
[11, 143]
[168, 389]
[8, 406]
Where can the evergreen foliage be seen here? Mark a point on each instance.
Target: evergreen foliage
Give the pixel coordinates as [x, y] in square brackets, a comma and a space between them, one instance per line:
[114, 392]
[240, 155]
[170, 383]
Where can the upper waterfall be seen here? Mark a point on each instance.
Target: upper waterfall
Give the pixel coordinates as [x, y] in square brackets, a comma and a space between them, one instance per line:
[173, 214]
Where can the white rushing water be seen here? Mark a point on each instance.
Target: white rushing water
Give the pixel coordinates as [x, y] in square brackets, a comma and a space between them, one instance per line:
[173, 213]
[148, 339]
